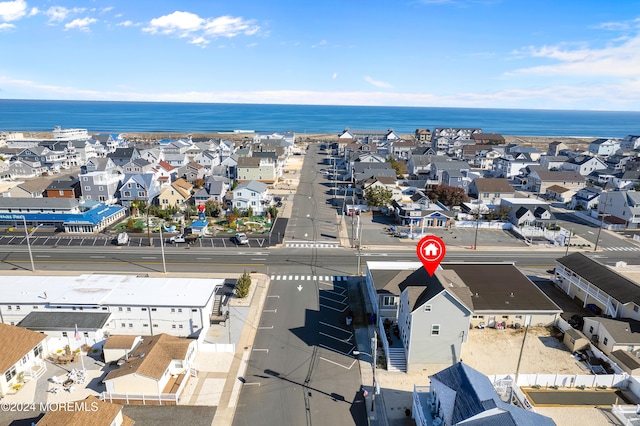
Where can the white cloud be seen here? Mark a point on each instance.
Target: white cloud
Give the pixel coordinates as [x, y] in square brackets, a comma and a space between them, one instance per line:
[335, 75]
[80, 24]
[60, 13]
[620, 58]
[12, 10]
[377, 83]
[198, 29]
[34, 11]
[252, 44]
[320, 43]
[125, 24]
[7, 27]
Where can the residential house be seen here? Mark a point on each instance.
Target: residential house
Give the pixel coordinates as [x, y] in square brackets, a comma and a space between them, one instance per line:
[177, 194]
[122, 156]
[627, 179]
[362, 171]
[401, 149]
[438, 167]
[604, 147]
[553, 162]
[423, 136]
[101, 186]
[559, 193]
[34, 188]
[215, 189]
[79, 151]
[137, 166]
[22, 355]
[52, 161]
[208, 159]
[119, 346]
[98, 164]
[434, 313]
[528, 212]
[421, 212]
[24, 169]
[369, 136]
[89, 411]
[380, 182]
[589, 282]
[69, 188]
[480, 156]
[111, 141]
[491, 190]
[456, 178]
[622, 205]
[481, 138]
[419, 164]
[460, 395]
[515, 150]
[619, 339]
[630, 142]
[256, 169]
[540, 180]
[177, 160]
[584, 164]
[139, 187]
[191, 172]
[586, 198]
[252, 194]
[556, 147]
[152, 155]
[510, 165]
[159, 365]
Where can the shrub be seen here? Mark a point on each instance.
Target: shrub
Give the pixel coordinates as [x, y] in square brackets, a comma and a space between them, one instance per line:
[243, 285]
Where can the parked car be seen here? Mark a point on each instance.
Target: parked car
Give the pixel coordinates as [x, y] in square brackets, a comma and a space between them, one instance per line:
[123, 239]
[241, 239]
[576, 321]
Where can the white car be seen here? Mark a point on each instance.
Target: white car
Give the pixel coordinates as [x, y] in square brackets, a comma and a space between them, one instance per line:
[241, 239]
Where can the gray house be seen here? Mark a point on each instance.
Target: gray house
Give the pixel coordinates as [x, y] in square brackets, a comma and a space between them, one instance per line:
[101, 186]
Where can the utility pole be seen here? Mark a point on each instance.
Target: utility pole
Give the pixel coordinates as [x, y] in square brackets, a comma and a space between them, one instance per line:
[527, 320]
[566, 252]
[164, 263]
[475, 240]
[374, 361]
[26, 231]
[604, 210]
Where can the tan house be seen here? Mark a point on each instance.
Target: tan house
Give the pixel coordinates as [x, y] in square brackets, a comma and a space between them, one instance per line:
[491, 190]
[89, 411]
[119, 346]
[256, 168]
[559, 193]
[384, 182]
[177, 194]
[22, 354]
[156, 371]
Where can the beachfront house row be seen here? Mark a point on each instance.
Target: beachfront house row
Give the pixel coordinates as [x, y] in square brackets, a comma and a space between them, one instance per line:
[22, 355]
[254, 195]
[158, 367]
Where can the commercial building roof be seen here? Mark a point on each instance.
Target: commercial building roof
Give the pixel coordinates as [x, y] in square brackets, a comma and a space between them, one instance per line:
[53, 320]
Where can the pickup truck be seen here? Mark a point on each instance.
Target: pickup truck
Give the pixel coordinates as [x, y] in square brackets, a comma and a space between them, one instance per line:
[183, 238]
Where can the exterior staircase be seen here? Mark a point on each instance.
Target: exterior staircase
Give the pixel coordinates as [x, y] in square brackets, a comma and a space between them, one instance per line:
[396, 360]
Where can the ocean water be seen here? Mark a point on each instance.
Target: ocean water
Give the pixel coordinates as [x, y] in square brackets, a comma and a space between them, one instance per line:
[96, 116]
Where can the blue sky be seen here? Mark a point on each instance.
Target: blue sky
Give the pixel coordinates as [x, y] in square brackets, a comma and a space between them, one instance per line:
[569, 54]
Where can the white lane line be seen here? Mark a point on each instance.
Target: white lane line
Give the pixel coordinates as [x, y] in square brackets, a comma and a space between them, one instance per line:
[349, 352]
[96, 257]
[265, 328]
[271, 310]
[334, 309]
[276, 296]
[149, 257]
[258, 258]
[203, 258]
[334, 338]
[340, 365]
[336, 327]
[260, 350]
[252, 383]
[42, 255]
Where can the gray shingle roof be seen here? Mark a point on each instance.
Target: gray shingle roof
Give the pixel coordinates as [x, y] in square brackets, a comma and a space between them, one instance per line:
[64, 320]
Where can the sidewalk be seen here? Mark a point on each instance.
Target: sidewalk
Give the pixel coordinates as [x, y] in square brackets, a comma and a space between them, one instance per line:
[231, 391]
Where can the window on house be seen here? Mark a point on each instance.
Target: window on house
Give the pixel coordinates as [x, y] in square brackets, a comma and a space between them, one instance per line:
[144, 309]
[635, 308]
[427, 308]
[128, 309]
[605, 341]
[37, 350]
[153, 309]
[123, 325]
[435, 329]
[180, 326]
[173, 326]
[179, 309]
[591, 330]
[10, 374]
[86, 334]
[173, 310]
[388, 301]
[120, 309]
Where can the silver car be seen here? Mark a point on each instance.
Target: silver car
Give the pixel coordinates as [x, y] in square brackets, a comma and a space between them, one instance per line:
[241, 239]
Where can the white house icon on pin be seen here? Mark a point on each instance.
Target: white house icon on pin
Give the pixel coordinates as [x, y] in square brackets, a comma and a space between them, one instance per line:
[431, 250]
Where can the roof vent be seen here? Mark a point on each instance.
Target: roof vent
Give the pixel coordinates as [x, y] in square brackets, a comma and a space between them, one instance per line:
[476, 295]
[511, 295]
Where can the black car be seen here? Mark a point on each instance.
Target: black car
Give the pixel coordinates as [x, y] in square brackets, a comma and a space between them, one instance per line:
[576, 321]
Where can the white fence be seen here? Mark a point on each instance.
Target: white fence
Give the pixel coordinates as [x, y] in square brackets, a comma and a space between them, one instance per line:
[482, 224]
[143, 398]
[567, 380]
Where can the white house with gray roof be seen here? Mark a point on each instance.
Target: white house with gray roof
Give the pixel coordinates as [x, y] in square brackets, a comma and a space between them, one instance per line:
[252, 194]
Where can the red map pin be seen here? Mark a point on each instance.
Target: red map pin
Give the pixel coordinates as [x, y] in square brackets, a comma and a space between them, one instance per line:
[431, 251]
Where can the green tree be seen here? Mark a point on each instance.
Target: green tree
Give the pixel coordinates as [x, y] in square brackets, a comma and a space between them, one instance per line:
[273, 211]
[378, 196]
[399, 166]
[448, 195]
[212, 208]
[243, 285]
[236, 211]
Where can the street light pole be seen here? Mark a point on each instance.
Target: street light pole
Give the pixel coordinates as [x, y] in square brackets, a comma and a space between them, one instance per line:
[475, 240]
[566, 252]
[164, 263]
[26, 231]
[604, 210]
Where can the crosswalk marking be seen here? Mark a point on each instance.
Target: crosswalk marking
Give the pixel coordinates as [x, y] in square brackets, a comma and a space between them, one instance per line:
[622, 248]
[309, 278]
[312, 245]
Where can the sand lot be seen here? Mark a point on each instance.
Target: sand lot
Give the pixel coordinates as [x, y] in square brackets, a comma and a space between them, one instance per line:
[496, 352]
